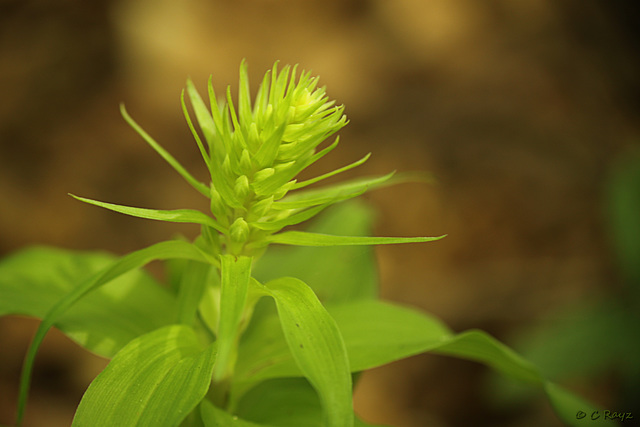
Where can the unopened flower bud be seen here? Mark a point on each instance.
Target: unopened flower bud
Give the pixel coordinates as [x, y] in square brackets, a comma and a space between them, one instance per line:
[241, 188]
[238, 235]
[263, 174]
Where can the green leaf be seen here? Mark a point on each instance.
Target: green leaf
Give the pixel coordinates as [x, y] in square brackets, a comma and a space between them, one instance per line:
[155, 380]
[104, 321]
[357, 163]
[236, 273]
[302, 238]
[204, 118]
[317, 347]
[285, 402]
[282, 402]
[212, 416]
[374, 333]
[336, 274]
[176, 215]
[132, 261]
[352, 186]
[203, 151]
[202, 188]
[192, 287]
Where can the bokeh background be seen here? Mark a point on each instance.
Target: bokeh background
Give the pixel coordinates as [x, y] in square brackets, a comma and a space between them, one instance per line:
[520, 110]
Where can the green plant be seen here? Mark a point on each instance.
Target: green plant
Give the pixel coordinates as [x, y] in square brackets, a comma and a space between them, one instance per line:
[212, 348]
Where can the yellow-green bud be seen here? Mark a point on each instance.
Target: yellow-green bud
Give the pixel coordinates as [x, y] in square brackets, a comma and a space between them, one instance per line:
[282, 191]
[263, 174]
[241, 188]
[245, 161]
[261, 208]
[238, 235]
[218, 208]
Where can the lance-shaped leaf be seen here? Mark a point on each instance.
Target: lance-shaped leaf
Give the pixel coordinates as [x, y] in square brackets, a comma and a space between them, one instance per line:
[177, 215]
[203, 150]
[104, 321]
[332, 173]
[132, 261]
[355, 185]
[236, 273]
[317, 347]
[302, 238]
[202, 188]
[155, 380]
[204, 118]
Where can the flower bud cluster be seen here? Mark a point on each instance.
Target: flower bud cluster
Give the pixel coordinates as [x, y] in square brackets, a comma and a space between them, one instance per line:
[256, 149]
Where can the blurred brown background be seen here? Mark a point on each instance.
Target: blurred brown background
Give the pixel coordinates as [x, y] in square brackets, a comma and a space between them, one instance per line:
[518, 108]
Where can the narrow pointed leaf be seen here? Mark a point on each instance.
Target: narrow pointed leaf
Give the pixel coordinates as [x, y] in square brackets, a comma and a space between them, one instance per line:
[359, 184]
[155, 380]
[330, 174]
[177, 215]
[317, 347]
[202, 188]
[302, 238]
[203, 150]
[205, 119]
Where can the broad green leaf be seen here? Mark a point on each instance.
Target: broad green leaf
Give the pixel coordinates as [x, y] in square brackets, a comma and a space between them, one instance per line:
[132, 261]
[212, 416]
[284, 402]
[236, 273]
[317, 347]
[33, 280]
[202, 188]
[177, 215]
[374, 333]
[336, 274]
[302, 238]
[155, 380]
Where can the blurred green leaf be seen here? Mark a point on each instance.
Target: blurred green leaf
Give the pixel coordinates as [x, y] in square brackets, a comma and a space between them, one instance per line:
[155, 380]
[33, 280]
[285, 402]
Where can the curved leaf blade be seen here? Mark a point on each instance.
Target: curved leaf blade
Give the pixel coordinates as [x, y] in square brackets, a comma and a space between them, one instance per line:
[177, 215]
[155, 380]
[317, 347]
[104, 321]
[132, 261]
